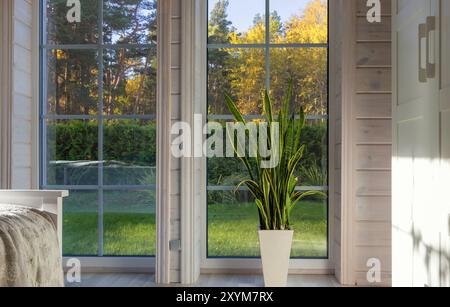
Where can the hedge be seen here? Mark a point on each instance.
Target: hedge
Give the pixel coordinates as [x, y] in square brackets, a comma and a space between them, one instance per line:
[124, 141]
[223, 170]
[133, 143]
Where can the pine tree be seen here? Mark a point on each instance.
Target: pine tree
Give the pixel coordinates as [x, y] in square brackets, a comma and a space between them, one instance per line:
[219, 59]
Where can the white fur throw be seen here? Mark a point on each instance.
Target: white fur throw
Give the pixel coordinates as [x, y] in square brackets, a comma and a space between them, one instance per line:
[29, 249]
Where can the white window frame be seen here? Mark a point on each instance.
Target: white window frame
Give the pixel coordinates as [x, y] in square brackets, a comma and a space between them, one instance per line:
[195, 208]
[6, 24]
[98, 263]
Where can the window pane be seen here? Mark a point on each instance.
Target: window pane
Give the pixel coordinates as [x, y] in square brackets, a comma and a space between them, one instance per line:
[76, 75]
[226, 171]
[129, 219]
[80, 227]
[129, 152]
[72, 84]
[72, 152]
[240, 72]
[299, 21]
[61, 30]
[236, 22]
[308, 69]
[233, 224]
[130, 22]
[223, 170]
[233, 219]
[313, 169]
[309, 221]
[130, 82]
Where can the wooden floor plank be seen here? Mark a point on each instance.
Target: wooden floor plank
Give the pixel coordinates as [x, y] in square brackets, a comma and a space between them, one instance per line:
[148, 280]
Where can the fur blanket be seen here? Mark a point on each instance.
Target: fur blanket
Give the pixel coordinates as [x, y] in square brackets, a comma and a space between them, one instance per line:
[29, 249]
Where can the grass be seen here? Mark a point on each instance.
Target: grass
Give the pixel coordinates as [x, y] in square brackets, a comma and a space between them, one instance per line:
[130, 230]
[128, 223]
[233, 230]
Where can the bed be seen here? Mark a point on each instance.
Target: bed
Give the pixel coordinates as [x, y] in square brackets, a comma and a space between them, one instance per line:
[30, 238]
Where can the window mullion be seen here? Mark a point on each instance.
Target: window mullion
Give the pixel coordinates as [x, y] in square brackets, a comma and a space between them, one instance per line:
[43, 93]
[100, 130]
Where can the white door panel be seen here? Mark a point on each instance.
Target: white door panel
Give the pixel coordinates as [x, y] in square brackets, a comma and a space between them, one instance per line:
[416, 154]
[444, 95]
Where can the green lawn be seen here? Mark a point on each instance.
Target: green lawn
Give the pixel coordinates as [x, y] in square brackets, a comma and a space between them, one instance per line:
[128, 223]
[130, 230]
[233, 230]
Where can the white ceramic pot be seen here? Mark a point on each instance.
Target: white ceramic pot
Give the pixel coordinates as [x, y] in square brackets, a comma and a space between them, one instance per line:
[275, 254]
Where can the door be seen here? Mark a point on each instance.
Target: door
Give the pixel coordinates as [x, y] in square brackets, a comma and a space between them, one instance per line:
[444, 94]
[416, 143]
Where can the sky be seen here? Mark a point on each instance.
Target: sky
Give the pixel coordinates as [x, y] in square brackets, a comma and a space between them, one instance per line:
[241, 12]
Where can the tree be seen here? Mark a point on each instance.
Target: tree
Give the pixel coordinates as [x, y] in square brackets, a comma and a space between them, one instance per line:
[242, 72]
[220, 30]
[129, 75]
[307, 67]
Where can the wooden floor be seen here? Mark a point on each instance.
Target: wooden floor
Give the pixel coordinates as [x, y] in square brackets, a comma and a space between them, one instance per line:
[147, 280]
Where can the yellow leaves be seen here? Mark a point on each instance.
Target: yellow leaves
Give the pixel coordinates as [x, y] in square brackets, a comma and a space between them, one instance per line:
[311, 27]
[244, 70]
[133, 85]
[257, 34]
[234, 38]
[60, 55]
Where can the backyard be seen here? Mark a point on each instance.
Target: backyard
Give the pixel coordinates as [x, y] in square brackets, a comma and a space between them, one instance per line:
[129, 227]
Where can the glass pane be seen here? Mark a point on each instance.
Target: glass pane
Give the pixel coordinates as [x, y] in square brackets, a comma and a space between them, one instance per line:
[309, 222]
[72, 152]
[129, 152]
[240, 72]
[130, 22]
[226, 171]
[80, 226]
[64, 27]
[308, 69]
[129, 219]
[223, 170]
[72, 84]
[233, 226]
[236, 22]
[130, 82]
[313, 169]
[299, 21]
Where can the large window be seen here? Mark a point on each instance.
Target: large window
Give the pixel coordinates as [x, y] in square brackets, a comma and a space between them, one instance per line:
[98, 131]
[255, 45]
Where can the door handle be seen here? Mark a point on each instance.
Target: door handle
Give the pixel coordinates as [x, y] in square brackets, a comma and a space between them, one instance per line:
[431, 67]
[422, 36]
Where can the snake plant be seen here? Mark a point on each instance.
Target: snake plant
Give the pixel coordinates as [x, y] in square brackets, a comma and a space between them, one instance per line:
[274, 189]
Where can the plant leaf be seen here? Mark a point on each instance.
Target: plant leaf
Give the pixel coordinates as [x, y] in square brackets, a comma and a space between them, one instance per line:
[233, 109]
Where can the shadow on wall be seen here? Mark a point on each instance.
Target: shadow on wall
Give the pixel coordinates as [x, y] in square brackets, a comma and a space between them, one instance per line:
[435, 259]
[431, 253]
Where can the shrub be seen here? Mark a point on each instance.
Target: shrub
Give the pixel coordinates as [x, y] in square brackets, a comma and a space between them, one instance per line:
[129, 141]
[229, 171]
